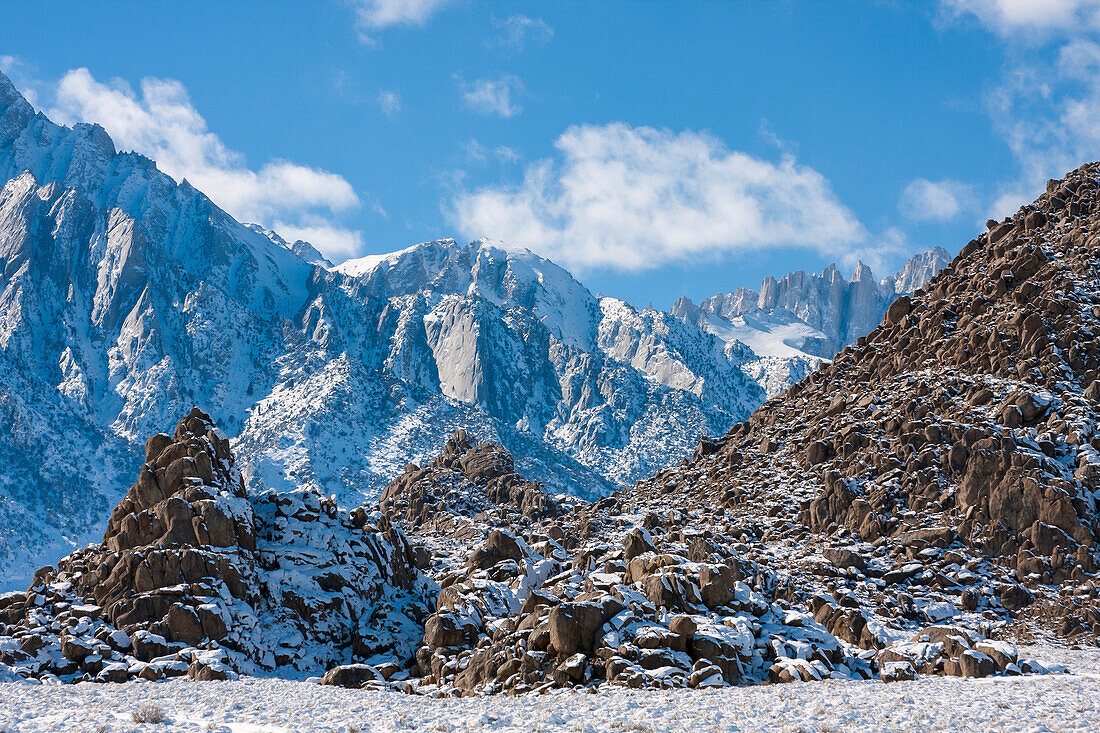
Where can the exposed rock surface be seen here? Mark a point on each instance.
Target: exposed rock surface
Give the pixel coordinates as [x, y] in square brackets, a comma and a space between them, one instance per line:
[195, 577]
[947, 463]
[902, 511]
[464, 481]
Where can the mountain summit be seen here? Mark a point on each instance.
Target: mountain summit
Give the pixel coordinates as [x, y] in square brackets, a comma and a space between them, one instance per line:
[801, 320]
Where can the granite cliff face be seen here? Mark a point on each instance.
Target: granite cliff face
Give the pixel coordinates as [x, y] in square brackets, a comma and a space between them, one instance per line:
[793, 324]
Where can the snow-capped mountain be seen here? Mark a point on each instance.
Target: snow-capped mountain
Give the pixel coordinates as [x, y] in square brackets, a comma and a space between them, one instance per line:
[793, 324]
[126, 298]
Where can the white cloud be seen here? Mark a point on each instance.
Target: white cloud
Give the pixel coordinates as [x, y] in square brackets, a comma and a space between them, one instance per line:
[334, 242]
[389, 102]
[924, 200]
[386, 13]
[1046, 107]
[505, 154]
[635, 198]
[517, 30]
[479, 153]
[373, 15]
[1029, 18]
[493, 96]
[162, 123]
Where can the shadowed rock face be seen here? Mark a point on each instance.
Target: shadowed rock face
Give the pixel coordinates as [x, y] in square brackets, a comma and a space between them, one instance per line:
[195, 576]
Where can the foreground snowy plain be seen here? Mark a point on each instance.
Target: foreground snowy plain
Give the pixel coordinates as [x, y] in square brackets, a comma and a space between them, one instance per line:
[1057, 702]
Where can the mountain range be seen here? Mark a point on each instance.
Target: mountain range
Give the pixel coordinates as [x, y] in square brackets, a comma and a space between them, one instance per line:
[127, 297]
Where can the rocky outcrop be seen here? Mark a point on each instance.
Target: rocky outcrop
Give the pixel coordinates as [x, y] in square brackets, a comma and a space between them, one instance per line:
[463, 481]
[194, 576]
[639, 613]
[945, 464]
[900, 512]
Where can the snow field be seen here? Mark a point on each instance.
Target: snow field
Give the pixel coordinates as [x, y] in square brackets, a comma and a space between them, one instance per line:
[1060, 702]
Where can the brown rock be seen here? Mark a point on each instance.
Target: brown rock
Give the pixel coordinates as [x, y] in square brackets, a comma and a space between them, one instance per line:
[574, 627]
[352, 676]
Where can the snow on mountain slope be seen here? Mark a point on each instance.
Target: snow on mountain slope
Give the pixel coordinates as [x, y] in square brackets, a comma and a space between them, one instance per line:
[126, 298]
[793, 324]
[440, 336]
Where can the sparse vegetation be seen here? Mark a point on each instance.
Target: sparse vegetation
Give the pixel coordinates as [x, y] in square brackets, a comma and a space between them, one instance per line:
[148, 712]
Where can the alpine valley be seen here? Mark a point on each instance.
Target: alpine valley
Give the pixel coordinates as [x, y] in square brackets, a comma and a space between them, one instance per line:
[126, 298]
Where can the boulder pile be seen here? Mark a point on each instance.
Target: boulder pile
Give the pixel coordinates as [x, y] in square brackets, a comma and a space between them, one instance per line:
[195, 577]
[462, 482]
[903, 510]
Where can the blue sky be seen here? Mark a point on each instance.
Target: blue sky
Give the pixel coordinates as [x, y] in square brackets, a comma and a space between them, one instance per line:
[654, 148]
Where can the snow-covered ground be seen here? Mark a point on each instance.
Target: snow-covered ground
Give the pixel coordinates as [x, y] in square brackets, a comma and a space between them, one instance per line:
[1059, 702]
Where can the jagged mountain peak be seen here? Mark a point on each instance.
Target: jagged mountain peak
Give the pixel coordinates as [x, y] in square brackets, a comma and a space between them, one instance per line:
[918, 270]
[11, 98]
[300, 247]
[126, 297]
[793, 323]
[502, 274]
[862, 273]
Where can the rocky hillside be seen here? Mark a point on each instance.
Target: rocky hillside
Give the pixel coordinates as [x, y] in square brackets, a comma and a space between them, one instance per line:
[908, 509]
[947, 463]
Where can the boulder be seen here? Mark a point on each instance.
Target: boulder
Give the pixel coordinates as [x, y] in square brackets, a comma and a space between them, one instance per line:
[976, 664]
[574, 627]
[897, 671]
[352, 676]
[843, 557]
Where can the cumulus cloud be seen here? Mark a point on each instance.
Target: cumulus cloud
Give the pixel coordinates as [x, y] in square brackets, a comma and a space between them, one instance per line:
[1029, 17]
[161, 122]
[372, 15]
[516, 31]
[493, 96]
[924, 200]
[635, 198]
[389, 102]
